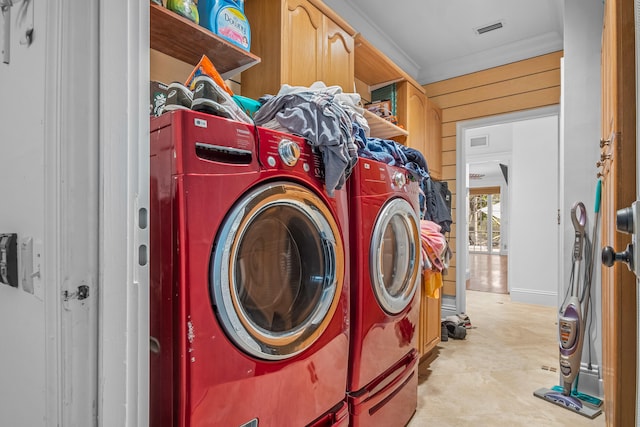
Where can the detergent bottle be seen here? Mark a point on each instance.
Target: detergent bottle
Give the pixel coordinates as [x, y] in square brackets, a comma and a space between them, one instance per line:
[186, 8]
[226, 19]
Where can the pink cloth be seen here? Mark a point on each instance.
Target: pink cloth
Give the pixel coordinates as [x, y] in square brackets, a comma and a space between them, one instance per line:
[432, 242]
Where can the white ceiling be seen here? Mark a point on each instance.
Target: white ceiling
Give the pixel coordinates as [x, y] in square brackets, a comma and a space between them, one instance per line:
[434, 40]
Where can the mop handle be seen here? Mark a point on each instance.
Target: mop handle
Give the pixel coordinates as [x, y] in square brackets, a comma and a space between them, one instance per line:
[587, 293]
[598, 191]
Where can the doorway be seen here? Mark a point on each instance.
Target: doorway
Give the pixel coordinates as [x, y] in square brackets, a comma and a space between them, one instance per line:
[530, 142]
[487, 266]
[484, 221]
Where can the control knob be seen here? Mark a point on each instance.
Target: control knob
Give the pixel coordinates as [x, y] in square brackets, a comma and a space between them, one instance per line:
[399, 179]
[289, 152]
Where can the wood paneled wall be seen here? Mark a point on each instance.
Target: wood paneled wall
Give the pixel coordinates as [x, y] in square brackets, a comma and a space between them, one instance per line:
[523, 85]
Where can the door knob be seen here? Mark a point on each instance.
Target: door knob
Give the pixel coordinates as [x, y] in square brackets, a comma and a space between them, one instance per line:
[610, 256]
[627, 221]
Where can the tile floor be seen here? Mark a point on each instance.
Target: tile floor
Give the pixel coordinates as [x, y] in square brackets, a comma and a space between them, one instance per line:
[488, 379]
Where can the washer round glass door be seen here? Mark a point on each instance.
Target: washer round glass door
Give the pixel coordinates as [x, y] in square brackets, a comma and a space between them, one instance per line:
[277, 270]
[394, 257]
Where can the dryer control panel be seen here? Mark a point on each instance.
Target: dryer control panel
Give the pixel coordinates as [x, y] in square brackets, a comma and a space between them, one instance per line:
[280, 150]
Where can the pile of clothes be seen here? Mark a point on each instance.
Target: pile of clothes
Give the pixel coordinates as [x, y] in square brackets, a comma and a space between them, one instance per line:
[325, 117]
[334, 123]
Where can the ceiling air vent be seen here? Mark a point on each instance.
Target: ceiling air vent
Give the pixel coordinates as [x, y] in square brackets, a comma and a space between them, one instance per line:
[479, 141]
[490, 27]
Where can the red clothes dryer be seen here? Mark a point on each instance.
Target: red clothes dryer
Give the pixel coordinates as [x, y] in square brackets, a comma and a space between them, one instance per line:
[249, 283]
[385, 259]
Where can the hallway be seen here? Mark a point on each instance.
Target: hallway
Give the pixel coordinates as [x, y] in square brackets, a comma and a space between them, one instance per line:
[488, 273]
[488, 379]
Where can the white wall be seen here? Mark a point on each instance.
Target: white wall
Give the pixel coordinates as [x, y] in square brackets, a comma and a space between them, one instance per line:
[580, 146]
[533, 189]
[499, 140]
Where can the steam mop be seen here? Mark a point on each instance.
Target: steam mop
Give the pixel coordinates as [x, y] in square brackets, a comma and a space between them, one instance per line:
[572, 322]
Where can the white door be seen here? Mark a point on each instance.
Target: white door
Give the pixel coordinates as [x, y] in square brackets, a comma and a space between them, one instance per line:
[49, 187]
[73, 138]
[23, 361]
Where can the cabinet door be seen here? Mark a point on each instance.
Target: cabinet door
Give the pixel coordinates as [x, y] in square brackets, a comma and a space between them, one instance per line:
[433, 321]
[338, 58]
[434, 140]
[303, 44]
[429, 325]
[416, 120]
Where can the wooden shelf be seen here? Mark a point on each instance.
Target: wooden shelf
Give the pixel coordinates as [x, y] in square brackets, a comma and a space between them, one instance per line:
[375, 68]
[182, 39]
[381, 128]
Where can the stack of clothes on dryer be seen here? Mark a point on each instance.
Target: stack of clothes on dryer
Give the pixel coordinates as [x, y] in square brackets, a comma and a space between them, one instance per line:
[324, 116]
[333, 121]
[432, 204]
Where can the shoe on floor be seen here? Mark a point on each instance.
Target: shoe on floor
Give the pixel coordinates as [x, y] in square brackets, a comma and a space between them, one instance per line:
[455, 331]
[444, 332]
[460, 320]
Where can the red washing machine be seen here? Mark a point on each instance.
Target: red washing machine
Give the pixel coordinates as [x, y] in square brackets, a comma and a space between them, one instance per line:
[249, 279]
[385, 258]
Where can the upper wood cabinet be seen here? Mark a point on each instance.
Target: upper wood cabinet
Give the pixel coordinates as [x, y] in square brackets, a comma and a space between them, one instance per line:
[423, 122]
[300, 42]
[411, 109]
[433, 149]
[374, 69]
[338, 56]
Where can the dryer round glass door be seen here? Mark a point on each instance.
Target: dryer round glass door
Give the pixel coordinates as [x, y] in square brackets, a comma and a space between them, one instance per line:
[277, 270]
[393, 255]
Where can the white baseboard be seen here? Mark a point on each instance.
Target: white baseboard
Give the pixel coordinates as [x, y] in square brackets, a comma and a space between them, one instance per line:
[533, 296]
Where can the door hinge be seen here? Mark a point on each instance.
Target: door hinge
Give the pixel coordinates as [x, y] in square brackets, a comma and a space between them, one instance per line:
[558, 216]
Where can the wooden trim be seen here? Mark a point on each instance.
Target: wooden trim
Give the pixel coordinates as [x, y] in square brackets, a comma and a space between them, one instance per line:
[449, 143]
[448, 130]
[453, 185]
[521, 101]
[331, 14]
[484, 190]
[449, 287]
[532, 82]
[452, 234]
[449, 172]
[451, 272]
[448, 158]
[374, 67]
[526, 67]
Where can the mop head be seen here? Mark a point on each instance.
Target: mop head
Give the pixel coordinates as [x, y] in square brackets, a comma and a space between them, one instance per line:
[586, 398]
[568, 402]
